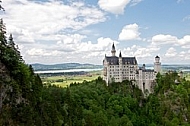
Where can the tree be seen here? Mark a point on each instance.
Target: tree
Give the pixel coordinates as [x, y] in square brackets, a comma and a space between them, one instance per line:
[3, 41]
[1, 8]
[14, 48]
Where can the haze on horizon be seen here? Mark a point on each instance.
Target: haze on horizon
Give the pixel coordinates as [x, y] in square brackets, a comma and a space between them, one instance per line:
[83, 31]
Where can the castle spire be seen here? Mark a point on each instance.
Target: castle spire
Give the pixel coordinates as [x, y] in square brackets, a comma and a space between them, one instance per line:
[113, 50]
[157, 64]
[120, 54]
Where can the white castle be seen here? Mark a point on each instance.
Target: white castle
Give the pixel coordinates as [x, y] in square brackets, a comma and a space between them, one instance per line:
[121, 68]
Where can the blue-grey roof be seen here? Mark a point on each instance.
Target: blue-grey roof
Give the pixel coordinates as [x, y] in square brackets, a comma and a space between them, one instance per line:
[148, 70]
[145, 70]
[114, 60]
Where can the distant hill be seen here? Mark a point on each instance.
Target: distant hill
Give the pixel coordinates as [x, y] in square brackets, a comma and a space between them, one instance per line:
[173, 67]
[64, 66]
[67, 66]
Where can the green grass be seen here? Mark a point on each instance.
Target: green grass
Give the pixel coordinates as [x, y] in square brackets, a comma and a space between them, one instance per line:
[186, 75]
[63, 81]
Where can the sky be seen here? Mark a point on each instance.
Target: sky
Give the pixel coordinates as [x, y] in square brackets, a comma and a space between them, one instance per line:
[83, 31]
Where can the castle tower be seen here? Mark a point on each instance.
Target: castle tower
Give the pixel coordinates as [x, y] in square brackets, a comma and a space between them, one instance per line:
[181, 74]
[113, 51]
[143, 67]
[157, 64]
[120, 68]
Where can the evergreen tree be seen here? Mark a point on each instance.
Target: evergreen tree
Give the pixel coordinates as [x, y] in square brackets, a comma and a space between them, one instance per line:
[14, 48]
[1, 8]
[3, 41]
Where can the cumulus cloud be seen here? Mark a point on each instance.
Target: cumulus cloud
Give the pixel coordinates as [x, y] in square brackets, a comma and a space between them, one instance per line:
[116, 6]
[73, 51]
[113, 6]
[48, 31]
[171, 52]
[41, 19]
[141, 52]
[164, 39]
[185, 40]
[42, 52]
[129, 32]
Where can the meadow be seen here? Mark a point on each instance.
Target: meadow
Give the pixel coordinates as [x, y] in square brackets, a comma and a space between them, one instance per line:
[65, 80]
[187, 76]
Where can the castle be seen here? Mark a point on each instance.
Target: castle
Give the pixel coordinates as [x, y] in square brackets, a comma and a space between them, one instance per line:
[121, 68]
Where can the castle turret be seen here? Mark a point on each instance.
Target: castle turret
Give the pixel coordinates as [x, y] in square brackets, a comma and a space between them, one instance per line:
[157, 64]
[120, 67]
[113, 50]
[143, 67]
[181, 74]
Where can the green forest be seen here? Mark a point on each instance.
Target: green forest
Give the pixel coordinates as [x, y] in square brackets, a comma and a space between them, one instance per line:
[25, 101]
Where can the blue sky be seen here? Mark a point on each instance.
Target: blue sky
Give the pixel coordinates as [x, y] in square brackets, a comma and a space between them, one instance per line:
[60, 31]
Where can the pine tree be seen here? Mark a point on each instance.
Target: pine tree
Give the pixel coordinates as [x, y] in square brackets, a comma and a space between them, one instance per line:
[14, 48]
[1, 8]
[3, 40]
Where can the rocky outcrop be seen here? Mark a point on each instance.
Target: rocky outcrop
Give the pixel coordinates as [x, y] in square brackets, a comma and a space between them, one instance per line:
[4, 80]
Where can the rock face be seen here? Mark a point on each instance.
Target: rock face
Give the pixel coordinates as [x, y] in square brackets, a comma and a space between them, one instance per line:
[4, 79]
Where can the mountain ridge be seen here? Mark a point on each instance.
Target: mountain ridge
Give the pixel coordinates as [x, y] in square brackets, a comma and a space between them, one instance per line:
[64, 66]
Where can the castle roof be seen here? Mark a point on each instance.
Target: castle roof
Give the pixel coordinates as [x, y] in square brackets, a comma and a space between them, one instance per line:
[145, 70]
[157, 57]
[114, 60]
[148, 70]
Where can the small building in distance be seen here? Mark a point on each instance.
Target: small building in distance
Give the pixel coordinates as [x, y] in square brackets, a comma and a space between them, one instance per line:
[121, 68]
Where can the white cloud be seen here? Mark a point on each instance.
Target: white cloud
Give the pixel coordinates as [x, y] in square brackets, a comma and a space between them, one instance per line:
[185, 40]
[164, 39]
[129, 32]
[44, 19]
[171, 52]
[74, 51]
[113, 6]
[135, 2]
[143, 54]
[48, 32]
[73, 39]
[42, 52]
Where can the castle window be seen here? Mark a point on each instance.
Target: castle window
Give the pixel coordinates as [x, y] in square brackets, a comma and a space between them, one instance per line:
[143, 86]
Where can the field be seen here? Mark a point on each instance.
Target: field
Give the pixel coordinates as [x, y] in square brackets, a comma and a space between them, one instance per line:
[187, 76]
[64, 80]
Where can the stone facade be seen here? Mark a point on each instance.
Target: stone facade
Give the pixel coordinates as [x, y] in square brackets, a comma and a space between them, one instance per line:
[121, 68]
